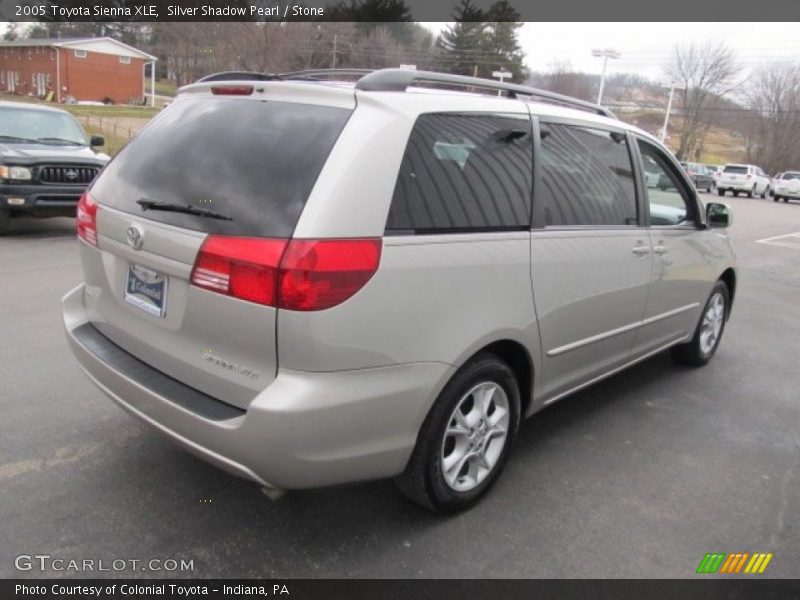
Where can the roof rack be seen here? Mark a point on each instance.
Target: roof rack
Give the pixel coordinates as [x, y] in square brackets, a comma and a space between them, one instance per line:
[307, 75]
[397, 80]
[315, 74]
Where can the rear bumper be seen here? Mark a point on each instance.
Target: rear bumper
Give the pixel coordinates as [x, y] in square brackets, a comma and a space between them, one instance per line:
[304, 430]
[41, 200]
[739, 187]
[791, 195]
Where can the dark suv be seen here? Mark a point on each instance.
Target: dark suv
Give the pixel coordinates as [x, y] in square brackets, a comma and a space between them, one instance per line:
[46, 162]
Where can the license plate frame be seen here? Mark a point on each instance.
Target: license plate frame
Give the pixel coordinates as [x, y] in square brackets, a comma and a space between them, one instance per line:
[146, 289]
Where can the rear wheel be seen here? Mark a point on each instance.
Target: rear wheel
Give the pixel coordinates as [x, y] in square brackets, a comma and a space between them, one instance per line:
[776, 198]
[720, 192]
[765, 192]
[736, 193]
[699, 350]
[5, 220]
[464, 442]
[751, 192]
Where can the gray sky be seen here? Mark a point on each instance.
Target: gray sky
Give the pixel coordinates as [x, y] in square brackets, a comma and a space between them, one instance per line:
[645, 47]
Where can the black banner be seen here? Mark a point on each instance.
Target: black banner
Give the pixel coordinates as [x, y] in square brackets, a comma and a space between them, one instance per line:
[392, 10]
[386, 589]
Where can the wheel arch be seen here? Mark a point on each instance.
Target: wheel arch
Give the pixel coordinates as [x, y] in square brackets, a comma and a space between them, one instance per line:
[519, 359]
[729, 277]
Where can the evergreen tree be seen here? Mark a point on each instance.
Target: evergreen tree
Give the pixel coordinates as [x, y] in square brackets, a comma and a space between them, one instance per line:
[461, 43]
[501, 47]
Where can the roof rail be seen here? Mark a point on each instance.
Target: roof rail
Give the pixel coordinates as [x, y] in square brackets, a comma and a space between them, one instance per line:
[314, 74]
[397, 80]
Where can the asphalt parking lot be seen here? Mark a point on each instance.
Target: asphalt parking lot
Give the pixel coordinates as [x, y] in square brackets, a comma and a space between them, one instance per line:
[639, 476]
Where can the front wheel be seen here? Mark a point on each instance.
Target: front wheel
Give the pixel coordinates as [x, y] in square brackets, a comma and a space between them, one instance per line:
[699, 350]
[776, 198]
[464, 442]
[720, 192]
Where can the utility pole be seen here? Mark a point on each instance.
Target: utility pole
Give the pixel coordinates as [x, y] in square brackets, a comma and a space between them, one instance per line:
[605, 55]
[672, 87]
[333, 61]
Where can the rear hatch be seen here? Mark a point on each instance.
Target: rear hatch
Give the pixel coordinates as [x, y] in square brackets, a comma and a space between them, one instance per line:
[734, 175]
[789, 184]
[244, 166]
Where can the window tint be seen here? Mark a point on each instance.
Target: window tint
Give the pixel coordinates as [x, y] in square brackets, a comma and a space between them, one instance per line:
[735, 170]
[252, 161]
[587, 177]
[464, 173]
[666, 195]
[788, 176]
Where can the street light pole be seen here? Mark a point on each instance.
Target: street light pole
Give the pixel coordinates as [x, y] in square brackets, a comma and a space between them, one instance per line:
[672, 87]
[605, 55]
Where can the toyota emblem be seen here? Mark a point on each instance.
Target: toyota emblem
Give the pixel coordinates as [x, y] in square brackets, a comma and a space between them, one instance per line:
[71, 174]
[135, 237]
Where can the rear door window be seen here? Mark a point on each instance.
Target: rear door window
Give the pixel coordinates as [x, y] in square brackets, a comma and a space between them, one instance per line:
[462, 173]
[253, 162]
[587, 177]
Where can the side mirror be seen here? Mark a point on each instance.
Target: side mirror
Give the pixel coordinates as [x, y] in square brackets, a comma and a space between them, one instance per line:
[97, 140]
[718, 215]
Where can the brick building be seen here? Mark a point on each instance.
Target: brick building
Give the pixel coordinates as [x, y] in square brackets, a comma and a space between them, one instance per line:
[82, 68]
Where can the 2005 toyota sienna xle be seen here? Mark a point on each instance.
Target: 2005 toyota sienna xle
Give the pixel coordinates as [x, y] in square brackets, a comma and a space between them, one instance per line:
[311, 283]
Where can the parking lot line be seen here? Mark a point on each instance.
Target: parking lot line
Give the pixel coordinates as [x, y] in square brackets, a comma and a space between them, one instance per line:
[788, 240]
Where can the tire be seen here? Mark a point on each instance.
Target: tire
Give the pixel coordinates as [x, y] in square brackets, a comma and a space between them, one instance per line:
[720, 192]
[701, 348]
[786, 199]
[765, 192]
[751, 192]
[710, 188]
[5, 220]
[425, 479]
[735, 194]
[776, 198]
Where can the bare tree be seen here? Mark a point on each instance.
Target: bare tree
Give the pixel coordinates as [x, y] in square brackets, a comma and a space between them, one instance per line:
[772, 137]
[708, 71]
[564, 80]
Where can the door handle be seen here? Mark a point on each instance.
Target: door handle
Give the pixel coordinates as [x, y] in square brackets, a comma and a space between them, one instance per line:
[640, 249]
[660, 249]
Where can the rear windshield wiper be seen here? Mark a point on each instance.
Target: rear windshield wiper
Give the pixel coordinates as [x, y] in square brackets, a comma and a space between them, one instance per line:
[181, 208]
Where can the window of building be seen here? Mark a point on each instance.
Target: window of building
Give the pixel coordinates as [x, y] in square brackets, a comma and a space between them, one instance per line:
[587, 177]
[80, 53]
[125, 60]
[464, 172]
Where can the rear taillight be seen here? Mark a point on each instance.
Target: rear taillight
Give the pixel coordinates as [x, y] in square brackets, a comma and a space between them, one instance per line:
[86, 219]
[319, 274]
[245, 268]
[301, 275]
[748, 176]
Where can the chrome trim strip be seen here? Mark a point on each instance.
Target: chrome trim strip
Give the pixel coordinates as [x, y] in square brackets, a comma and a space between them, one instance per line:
[619, 330]
[616, 370]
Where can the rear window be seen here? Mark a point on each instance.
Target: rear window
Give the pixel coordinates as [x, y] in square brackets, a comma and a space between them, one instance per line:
[790, 176]
[255, 162]
[736, 170]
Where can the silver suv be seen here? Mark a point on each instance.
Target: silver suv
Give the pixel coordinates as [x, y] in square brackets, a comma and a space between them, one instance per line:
[311, 283]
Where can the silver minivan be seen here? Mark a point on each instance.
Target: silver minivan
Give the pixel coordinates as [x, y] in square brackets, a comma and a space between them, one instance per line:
[310, 282]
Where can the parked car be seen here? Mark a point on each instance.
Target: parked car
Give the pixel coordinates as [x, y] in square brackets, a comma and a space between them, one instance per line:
[716, 171]
[746, 179]
[787, 186]
[46, 162]
[311, 285]
[700, 176]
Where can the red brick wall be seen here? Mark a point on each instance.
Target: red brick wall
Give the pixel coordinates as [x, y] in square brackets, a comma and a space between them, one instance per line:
[94, 77]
